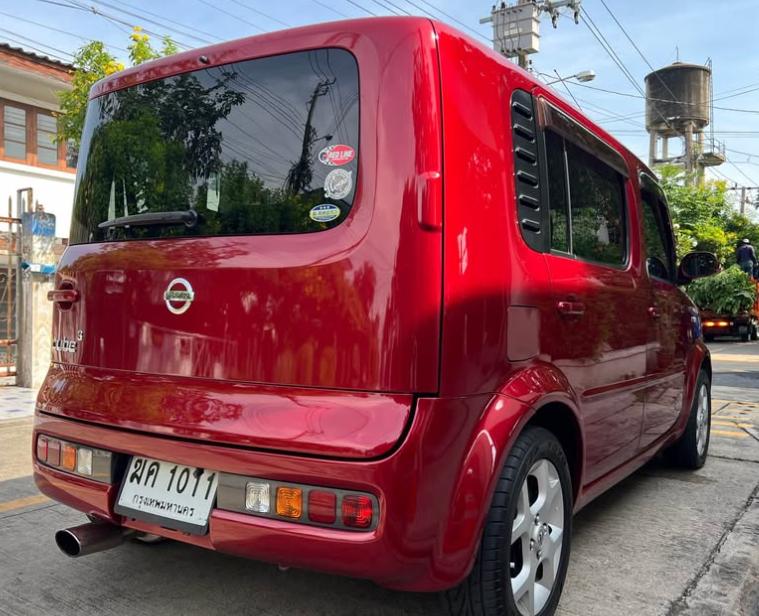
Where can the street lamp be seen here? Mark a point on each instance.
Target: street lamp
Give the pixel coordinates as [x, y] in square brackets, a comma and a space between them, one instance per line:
[582, 76]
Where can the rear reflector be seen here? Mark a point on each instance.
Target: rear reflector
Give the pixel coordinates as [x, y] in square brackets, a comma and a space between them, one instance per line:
[289, 502]
[357, 511]
[322, 507]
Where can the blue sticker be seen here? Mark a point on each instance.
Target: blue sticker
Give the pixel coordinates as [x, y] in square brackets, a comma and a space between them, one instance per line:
[326, 212]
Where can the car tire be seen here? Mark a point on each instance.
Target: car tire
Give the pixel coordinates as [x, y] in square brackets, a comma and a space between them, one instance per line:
[529, 553]
[755, 333]
[708, 338]
[691, 449]
[745, 337]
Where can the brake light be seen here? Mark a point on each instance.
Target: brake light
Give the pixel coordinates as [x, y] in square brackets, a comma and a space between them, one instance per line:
[357, 511]
[54, 452]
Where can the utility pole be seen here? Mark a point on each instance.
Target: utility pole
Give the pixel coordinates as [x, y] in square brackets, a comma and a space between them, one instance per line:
[300, 174]
[516, 26]
[744, 199]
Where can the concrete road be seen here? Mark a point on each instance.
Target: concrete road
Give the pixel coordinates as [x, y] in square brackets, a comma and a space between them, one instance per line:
[664, 542]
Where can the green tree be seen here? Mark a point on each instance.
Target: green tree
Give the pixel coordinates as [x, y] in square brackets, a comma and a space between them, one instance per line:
[92, 62]
[704, 218]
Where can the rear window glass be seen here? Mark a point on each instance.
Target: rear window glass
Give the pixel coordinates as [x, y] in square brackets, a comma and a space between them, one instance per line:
[266, 146]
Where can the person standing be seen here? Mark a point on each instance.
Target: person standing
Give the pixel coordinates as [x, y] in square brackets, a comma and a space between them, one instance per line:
[746, 257]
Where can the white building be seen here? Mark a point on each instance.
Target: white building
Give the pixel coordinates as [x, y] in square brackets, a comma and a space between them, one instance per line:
[28, 156]
[29, 159]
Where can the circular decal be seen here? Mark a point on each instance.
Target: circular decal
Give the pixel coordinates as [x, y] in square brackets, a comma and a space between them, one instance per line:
[178, 296]
[324, 213]
[337, 155]
[338, 184]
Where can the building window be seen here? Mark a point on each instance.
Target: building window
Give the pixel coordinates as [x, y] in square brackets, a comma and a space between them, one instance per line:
[28, 135]
[47, 148]
[14, 138]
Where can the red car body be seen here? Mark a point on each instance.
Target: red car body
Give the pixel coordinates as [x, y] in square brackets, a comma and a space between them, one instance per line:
[398, 354]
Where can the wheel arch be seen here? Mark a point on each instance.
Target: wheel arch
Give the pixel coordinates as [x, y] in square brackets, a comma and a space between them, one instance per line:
[539, 395]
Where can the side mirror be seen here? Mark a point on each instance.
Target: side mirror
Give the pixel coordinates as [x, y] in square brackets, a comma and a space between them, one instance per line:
[697, 265]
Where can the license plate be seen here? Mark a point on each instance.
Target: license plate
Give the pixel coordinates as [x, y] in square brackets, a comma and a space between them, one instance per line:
[172, 495]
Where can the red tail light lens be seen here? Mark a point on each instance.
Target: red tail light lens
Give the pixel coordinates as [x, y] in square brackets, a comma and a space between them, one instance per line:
[322, 507]
[357, 511]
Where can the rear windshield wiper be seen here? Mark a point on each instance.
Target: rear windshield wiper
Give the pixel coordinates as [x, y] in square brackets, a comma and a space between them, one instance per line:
[182, 217]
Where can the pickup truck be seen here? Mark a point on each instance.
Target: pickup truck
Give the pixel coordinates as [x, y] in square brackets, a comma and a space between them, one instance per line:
[743, 324]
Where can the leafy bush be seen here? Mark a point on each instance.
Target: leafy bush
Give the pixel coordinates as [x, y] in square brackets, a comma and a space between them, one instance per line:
[729, 292]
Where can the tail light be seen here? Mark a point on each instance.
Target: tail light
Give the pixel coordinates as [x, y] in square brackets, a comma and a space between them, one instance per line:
[74, 458]
[298, 503]
[357, 511]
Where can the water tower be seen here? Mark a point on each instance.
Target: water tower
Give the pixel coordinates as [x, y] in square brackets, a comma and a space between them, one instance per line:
[679, 105]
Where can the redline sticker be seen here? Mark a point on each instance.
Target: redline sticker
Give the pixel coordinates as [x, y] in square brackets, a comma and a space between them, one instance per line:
[337, 155]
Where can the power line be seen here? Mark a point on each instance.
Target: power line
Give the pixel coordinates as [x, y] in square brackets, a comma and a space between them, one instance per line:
[739, 170]
[52, 29]
[152, 21]
[451, 17]
[262, 14]
[176, 23]
[330, 8]
[35, 42]
[232, 15]
[363, 8]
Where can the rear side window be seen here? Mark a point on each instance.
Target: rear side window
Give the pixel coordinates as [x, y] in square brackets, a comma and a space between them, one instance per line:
[586, 203]
[660, 254]
[266, 146]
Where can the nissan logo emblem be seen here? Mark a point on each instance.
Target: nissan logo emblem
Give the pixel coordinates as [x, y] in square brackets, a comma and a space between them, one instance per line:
[178, 296]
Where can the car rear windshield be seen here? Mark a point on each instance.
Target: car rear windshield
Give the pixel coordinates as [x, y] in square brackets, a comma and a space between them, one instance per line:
[266, 146]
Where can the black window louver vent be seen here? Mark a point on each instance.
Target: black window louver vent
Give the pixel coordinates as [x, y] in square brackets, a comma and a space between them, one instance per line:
[526, 172]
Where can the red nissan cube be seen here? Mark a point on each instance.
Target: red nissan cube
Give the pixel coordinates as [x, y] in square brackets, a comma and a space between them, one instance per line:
[365, 298]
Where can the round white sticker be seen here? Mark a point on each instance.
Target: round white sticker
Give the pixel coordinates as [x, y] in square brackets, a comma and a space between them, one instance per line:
[338, 184]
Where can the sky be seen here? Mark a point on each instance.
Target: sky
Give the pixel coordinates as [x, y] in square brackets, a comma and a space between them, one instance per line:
[663, 30]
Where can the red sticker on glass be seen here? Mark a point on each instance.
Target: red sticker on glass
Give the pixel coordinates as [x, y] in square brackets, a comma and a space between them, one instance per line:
[337, 155]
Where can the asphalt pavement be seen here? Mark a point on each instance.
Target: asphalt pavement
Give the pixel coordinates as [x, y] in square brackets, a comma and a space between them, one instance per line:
[664, 542]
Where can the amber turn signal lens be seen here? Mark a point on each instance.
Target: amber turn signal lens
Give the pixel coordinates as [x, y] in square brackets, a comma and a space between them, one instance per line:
[289, 502]
[68, 457]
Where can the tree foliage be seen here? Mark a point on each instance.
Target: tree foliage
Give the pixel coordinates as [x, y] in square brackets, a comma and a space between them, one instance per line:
[729, 292]
[704, 218]
[92, 62]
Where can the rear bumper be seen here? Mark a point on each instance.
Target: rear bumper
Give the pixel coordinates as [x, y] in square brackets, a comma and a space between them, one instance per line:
[431, 500]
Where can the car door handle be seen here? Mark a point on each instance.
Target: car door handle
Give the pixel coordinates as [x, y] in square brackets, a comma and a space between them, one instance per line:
[63, 296]
[653, 312]
[568, 308]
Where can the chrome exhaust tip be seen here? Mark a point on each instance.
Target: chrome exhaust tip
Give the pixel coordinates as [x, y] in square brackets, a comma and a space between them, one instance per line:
[90, 538]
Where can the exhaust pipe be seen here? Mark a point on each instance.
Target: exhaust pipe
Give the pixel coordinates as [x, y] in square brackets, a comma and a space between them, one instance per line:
[90, 538]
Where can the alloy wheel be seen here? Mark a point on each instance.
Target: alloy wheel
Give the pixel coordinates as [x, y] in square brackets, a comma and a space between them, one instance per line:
[702, 420]
[537, 538]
